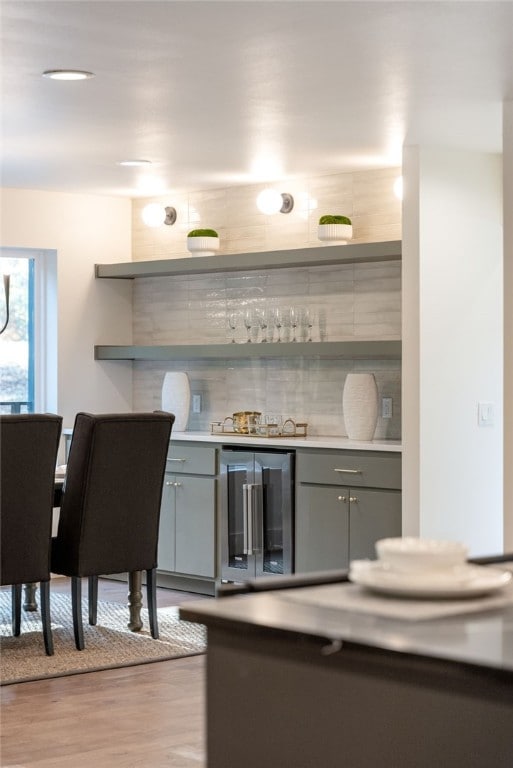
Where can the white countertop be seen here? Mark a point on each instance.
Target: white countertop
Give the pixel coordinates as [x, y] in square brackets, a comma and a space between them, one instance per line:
[315, 441]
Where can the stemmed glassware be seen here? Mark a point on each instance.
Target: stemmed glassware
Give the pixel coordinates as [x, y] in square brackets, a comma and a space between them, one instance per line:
[309, 319]
[232, 324]
[248, 324]
[263, 322]
[279, 320]
[295, 315]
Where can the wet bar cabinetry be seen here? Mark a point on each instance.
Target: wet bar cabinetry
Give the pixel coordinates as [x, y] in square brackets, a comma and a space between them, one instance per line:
[187, 535]
[345, 502]
[341, 502]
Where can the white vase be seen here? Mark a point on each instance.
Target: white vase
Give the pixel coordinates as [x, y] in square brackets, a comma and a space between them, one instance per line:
[202, 246]
[360, 405]
[335, 233]
[176, 398]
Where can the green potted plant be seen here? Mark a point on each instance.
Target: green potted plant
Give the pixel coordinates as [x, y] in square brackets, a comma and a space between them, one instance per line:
[335, 229]
[202, 242]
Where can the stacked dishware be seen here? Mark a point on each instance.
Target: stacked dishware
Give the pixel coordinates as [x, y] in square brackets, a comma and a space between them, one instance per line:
[426, 568]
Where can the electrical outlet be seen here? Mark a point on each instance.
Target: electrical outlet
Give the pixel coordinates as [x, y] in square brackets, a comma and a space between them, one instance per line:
[196, 403]
[386, 407]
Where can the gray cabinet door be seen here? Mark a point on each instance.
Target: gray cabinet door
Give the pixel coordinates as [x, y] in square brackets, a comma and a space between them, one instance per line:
[166, 548]
[374, 514]
[187, 526]
[195, 526]
[322, 528]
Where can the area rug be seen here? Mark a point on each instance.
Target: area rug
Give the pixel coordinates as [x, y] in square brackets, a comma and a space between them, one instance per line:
[108, 645]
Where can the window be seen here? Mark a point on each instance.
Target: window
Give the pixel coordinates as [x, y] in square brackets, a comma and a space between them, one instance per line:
[28, 342]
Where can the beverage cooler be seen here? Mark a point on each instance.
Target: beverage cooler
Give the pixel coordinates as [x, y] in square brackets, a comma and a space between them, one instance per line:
[257, 500]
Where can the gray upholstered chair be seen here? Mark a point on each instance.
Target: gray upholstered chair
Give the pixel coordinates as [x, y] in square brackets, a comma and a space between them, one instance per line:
[28, 455]
[110, 506]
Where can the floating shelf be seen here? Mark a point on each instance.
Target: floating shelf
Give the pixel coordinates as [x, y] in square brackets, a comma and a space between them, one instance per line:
[351, 349]
[299, 257]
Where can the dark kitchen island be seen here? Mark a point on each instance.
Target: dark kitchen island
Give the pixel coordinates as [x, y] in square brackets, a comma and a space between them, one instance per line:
[295, 680]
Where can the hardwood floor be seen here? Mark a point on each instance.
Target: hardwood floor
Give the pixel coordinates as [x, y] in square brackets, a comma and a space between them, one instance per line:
[148, 716]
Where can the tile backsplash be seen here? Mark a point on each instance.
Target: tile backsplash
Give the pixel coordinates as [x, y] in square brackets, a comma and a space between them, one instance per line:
[360, 301]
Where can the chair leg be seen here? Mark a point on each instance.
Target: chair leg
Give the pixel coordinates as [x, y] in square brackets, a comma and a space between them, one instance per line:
[151, 587]
[16, 609]
[76, 605]
[92, 594]
[44, 589]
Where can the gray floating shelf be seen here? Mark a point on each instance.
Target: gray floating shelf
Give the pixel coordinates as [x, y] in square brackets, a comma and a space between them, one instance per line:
[352, 349]
[300, 257]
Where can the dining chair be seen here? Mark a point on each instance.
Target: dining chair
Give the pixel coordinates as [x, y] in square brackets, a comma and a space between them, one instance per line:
[28, 455]
[110, 507]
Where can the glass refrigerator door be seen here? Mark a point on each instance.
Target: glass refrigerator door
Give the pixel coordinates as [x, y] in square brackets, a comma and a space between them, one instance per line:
[237, 471]
[273, 478]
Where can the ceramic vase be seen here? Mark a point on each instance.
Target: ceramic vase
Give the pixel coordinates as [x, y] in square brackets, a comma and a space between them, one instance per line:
[360, 405]
[176, 398]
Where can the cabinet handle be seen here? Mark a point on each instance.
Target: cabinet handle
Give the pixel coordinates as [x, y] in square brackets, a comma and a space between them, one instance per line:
[353, 499]
[349, 471]
[180, 460]
[177, 485]
[168, 483]
[342, 498]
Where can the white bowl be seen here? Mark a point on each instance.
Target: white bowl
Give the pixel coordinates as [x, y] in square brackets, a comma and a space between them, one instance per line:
[416, 554]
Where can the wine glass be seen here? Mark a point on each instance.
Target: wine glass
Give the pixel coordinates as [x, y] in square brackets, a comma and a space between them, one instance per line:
[279, 320]
[232, 324]
[295, 316]
[309, 317]
[248, 324]
[263, 322]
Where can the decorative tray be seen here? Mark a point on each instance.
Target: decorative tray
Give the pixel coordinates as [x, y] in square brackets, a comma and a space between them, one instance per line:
[289, 428]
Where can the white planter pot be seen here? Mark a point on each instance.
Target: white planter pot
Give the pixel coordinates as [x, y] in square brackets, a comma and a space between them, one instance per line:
[176, 398]
[340, 233]
[202, 246]
[360, 405]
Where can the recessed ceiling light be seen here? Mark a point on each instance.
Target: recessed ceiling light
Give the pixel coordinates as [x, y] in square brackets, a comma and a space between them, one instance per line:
[134, 162]
[67, 74]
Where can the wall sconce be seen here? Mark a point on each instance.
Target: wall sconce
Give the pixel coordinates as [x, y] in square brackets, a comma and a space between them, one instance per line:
[269, 201]
[7, 280]
[155, 214]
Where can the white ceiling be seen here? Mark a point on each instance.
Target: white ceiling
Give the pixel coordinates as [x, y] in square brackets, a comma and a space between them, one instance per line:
[224, 93]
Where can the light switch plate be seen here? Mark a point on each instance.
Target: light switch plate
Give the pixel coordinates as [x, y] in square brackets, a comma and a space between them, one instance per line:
[196, 403]
[485, 414]
[386, 407]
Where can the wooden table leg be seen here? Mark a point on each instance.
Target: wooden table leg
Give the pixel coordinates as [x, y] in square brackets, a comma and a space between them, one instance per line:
[135, 600]
[30, 603]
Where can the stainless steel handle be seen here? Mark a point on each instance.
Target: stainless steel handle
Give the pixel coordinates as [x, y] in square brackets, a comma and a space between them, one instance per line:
[342, 498]
[353, 499]
[177, 485]
[250, 519]
[349, 471]
[245, 519]
[180, 460]
[168, 483]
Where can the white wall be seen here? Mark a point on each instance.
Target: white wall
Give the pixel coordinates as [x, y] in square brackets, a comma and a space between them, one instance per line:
[507, 171]
[453, 346]
[83, 230]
